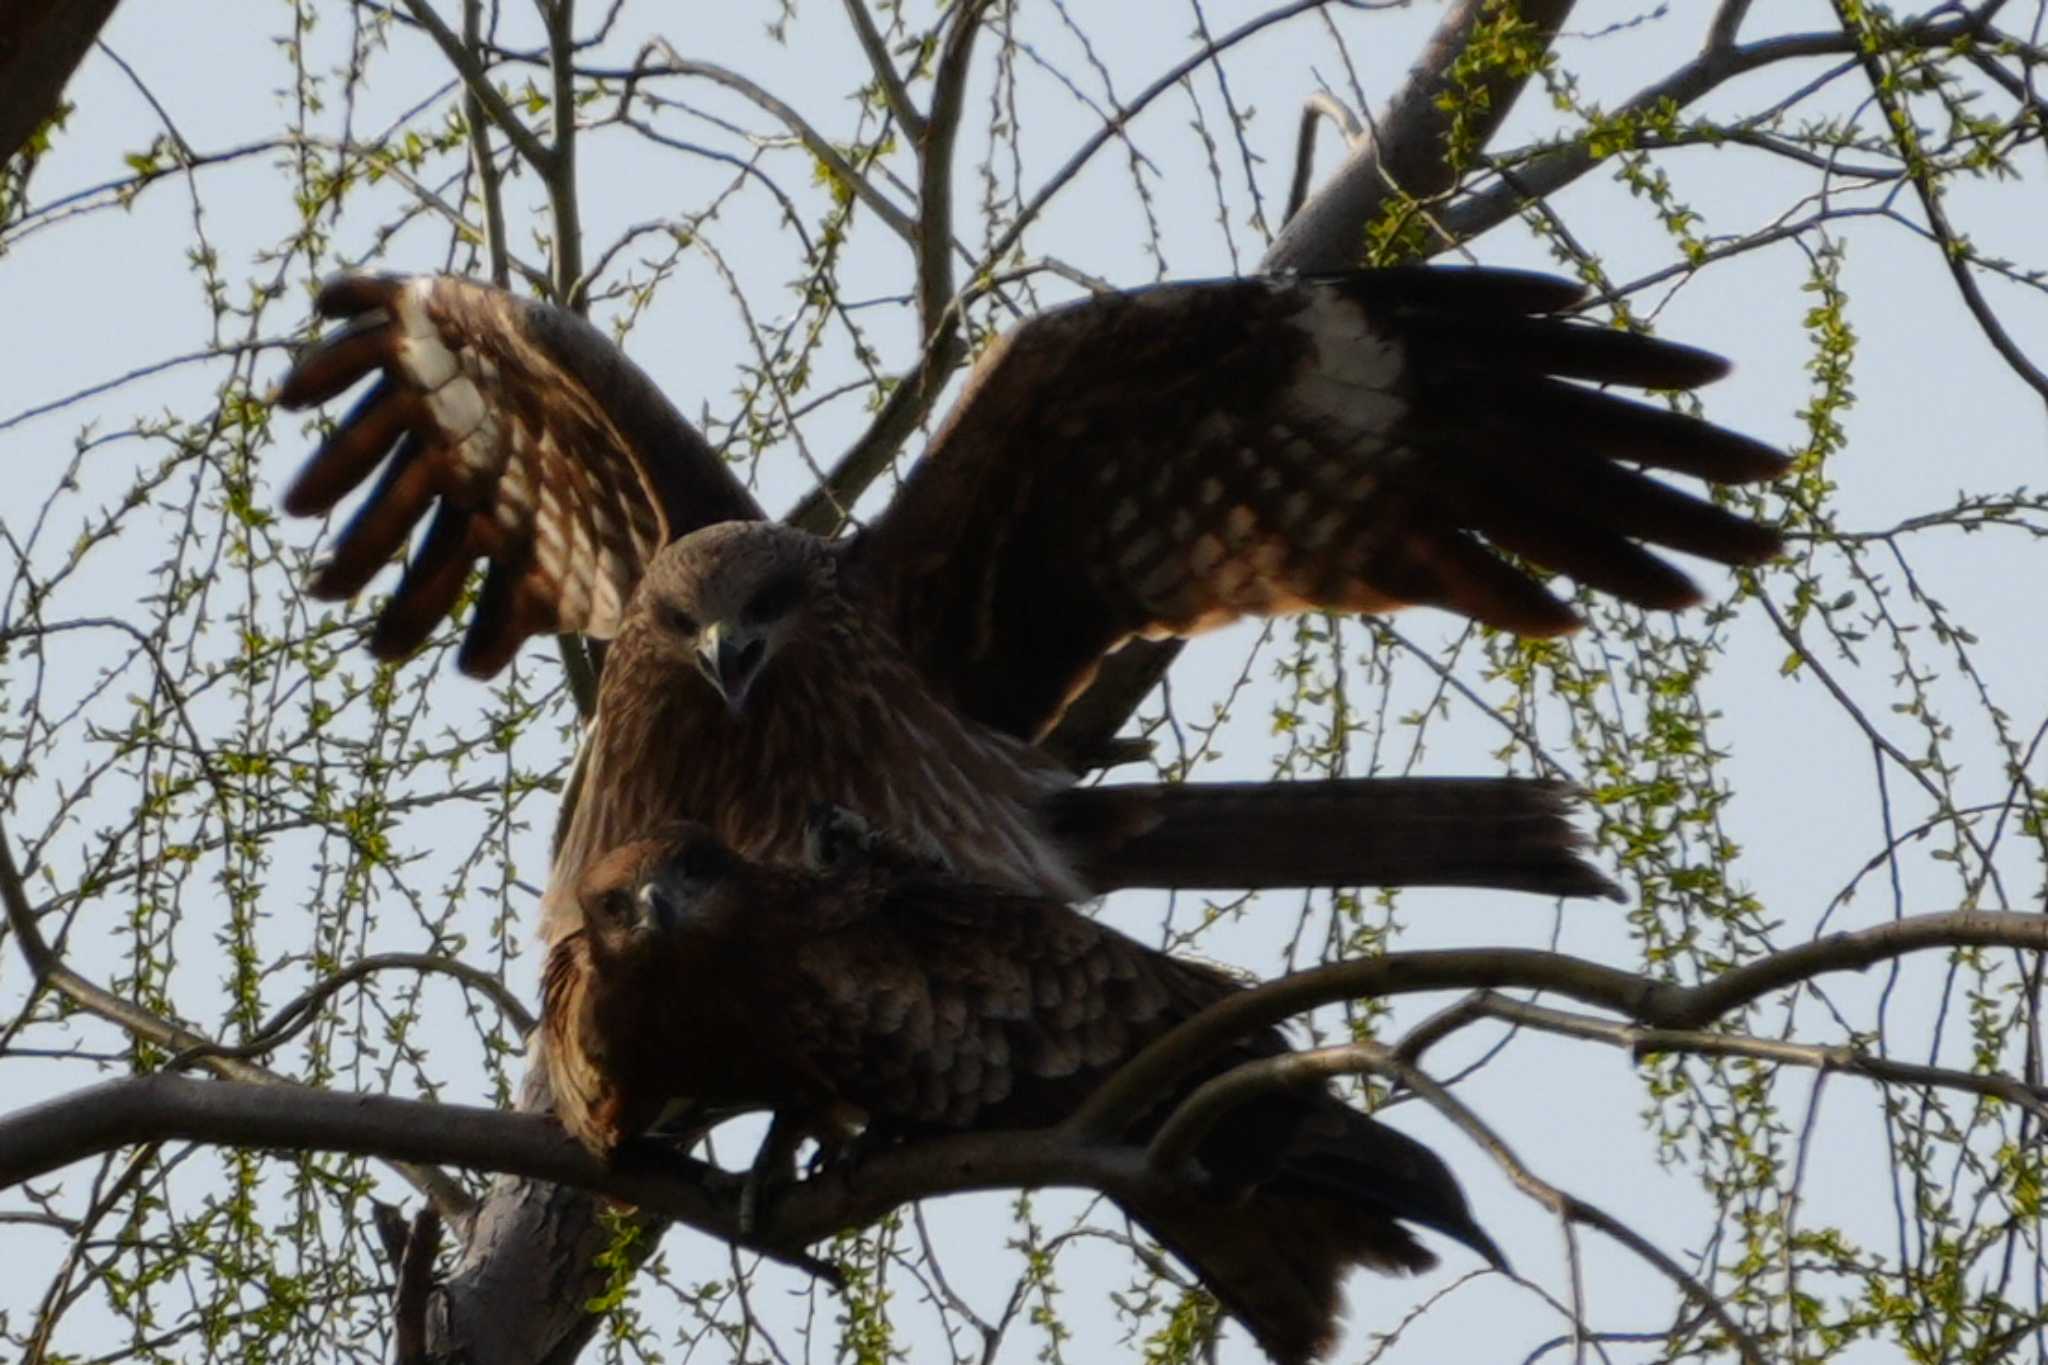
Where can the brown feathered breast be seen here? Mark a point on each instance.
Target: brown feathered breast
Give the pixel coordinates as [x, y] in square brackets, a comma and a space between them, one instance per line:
[929, 1006]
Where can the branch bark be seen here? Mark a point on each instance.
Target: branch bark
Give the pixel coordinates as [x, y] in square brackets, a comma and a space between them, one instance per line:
[41, 44]
[1090, 1150]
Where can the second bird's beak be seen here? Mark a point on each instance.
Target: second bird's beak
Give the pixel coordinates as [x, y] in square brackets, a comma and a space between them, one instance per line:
[658, 907]
[729, 659]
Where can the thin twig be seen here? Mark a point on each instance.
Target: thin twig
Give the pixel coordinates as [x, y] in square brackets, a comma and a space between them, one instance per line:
[894, 93]
[478, 82]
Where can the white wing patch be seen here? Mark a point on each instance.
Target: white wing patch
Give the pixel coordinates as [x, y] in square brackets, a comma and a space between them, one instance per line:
[1354, 382]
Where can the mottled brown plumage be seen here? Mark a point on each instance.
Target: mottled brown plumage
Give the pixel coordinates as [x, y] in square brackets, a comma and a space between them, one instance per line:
[1141, 464]
[879, 991]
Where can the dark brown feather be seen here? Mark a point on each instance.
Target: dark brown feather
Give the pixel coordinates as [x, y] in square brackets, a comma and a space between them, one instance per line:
[1153, 462]
[1316, 443]
[931, 1006]
[1510, 833]
[578, 472]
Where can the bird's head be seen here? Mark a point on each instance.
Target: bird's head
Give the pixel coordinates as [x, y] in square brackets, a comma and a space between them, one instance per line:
[648, 895]
[729, 597]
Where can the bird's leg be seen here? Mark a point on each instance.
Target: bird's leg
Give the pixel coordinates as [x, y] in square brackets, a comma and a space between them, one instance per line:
[774, 1168]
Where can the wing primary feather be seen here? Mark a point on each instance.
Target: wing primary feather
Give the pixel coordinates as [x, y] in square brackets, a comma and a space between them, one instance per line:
[1561, 347]
[1449, 569]
[378, 529]
[1592, 554]
[1575, 483]
[428, 591]
[1623, 429]
[499, 625]
[345, 295]
[336, 361]
[371, 428]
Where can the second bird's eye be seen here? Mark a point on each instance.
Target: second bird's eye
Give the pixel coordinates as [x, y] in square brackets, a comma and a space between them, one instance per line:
[678, 620]
[705, 860]
[774, 599]
[617, 905]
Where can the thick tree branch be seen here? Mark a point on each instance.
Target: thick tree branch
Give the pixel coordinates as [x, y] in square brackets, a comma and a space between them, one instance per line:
[894, 93]
[41, 44]
[1405, 154]
[51, 1135]
[1135, 1087]
[936, 306]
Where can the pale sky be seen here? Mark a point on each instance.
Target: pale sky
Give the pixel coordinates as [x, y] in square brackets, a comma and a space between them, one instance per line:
[1937, 414]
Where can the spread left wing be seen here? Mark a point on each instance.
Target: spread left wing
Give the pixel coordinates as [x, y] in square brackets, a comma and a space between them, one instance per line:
[532, 439]
[1163, 461]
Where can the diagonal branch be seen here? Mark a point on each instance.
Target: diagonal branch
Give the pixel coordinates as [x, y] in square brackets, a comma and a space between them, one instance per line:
[1885, 89]
[813, 141]
[894, 93]
[935, 301]
[1406, 153]
[1135, 1087]
[41, 44]
[477, 82]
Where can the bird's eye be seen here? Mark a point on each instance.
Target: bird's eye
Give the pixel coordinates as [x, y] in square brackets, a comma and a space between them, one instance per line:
[616, 905]
[774, 600]
[705, 860]
[678, 620]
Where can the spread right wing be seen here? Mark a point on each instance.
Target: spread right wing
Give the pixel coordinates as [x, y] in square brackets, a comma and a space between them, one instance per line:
[533, 440]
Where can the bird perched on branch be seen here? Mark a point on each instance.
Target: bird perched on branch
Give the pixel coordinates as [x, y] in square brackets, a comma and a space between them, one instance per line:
[878, 994]
[1141, 464]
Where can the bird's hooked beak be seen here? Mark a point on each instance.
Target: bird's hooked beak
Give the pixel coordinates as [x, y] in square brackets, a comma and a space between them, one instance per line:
[660, 906]
[730, 658]
[673, 896]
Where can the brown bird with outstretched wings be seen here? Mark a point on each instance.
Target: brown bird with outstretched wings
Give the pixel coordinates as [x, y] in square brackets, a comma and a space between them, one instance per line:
[913, 1003]
[1149, 463]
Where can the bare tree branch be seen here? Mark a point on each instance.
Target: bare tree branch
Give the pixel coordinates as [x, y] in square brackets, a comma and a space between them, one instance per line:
[894, 94]
[1137, 1085]
[1550, 171]
[1406, 152]
[862, 188]
[477, 81]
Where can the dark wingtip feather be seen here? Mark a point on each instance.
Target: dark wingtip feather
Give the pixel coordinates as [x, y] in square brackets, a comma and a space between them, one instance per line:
[379, 528]
[428, 591]
[335, 362]
[357, 446]
[342, 296]
[496, 630]
[1462, 289]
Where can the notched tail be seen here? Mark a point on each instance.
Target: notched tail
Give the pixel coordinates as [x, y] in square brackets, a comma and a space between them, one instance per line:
[1276, 1255]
